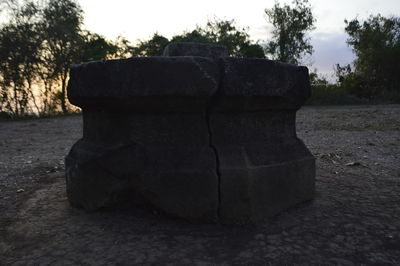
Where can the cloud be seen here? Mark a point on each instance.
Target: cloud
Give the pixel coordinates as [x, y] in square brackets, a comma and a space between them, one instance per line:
[330, 49]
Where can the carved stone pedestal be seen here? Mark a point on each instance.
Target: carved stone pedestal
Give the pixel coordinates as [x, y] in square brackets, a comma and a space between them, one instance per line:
[207, 138]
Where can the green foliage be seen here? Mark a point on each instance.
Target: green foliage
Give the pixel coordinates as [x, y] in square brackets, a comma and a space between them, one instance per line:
[153, 47]
[196, 35]
[37, 46]
[352, 82]
[5, 115]
[252, 50]
[291, 24]
[61, 29]
[237, 40]
[332, 94]
[326, 93]
[376, 43]
[19, 58]
[124, 48]
[95, 47]
[223, 32]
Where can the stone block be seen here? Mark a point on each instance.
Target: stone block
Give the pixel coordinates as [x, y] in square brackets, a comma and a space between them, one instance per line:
[196, 134]
[145, 133]
[264, 167]
[258, 84]
[144, 83]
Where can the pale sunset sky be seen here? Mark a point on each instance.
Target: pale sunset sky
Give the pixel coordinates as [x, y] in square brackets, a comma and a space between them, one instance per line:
[140, 19]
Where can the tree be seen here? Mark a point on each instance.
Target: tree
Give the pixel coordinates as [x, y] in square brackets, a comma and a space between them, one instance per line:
[376, 44]
[37, 46]
[124, 48]
[290, 42]
[153, 47]
[95, 47]
[351, 82]
[20, 47]
[196, 35]
[237, 40]
[61, 29]
[251, 50]
[223, 32]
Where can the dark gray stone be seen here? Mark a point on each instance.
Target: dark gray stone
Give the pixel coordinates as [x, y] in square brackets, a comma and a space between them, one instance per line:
[260, 84]
[264, 168]
[204, 139]
[144, 84]
[213, 51]
[145, 133]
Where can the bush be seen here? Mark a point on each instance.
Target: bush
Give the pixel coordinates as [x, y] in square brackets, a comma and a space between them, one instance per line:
[331, 94]
[5, 115]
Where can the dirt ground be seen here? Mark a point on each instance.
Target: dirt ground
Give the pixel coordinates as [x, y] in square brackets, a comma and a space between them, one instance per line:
[354, 219]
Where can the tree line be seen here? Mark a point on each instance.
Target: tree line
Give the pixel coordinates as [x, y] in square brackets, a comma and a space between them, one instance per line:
[41, 39]
[38, 44]
[374, 76]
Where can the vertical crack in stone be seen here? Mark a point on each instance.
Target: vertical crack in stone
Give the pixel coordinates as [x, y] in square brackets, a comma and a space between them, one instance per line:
[210, 143]
[213, 103]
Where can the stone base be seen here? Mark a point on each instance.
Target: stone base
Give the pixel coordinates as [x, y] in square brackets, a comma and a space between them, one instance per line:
[187, 182]
[249, 195]
[179, 181]
[207, 138]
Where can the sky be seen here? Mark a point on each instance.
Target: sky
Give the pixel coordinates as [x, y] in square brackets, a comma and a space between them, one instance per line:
[138, 20]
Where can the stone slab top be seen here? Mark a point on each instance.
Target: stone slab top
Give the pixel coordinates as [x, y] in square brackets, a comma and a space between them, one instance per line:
[254, 84]
[141, 77]
[180, 83]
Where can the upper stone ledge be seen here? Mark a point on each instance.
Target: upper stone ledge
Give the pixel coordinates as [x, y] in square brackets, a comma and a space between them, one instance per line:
[213, 51]
[187, 81]
[144, 77]
[258, 84]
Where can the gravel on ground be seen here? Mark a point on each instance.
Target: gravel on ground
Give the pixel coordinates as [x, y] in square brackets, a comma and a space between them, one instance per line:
[354, 218]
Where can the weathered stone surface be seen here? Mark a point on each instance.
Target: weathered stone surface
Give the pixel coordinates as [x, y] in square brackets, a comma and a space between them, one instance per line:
[145, 133]
[163, 158]
[260, 84]
[264, 168]
[179, 181]
[144, 84]
[213, 51]
[205, 139]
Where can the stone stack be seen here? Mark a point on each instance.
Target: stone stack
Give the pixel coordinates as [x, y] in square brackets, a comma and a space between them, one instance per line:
[194, 133]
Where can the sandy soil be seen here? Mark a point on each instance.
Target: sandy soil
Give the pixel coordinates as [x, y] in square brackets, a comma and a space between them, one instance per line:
[354, 219]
